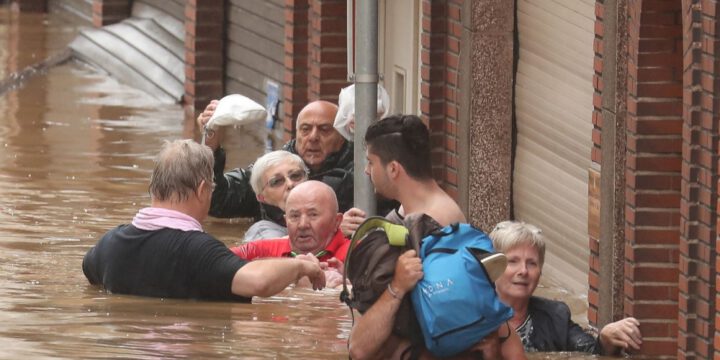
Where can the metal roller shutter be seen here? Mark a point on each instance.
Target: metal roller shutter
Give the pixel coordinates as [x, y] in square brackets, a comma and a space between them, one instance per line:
[255, 47]
[553, 96]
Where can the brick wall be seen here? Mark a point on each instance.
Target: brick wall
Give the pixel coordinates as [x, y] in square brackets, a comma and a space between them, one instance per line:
[295, 87]
[698, 215]
[204, 55]
[653, 171]
[315, 54]
[106, 12]
[594, 176]
[327, 53]
[441, 31]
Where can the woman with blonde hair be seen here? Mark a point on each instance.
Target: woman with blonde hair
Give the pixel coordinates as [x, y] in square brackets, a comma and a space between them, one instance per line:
[544, 324]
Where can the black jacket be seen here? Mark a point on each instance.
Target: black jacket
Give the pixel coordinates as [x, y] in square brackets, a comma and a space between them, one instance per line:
[234, 197]
[554, 330]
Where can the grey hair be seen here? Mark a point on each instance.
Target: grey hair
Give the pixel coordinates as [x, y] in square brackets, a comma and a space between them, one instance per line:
[180, 167]
[509, 234]
[263, 163]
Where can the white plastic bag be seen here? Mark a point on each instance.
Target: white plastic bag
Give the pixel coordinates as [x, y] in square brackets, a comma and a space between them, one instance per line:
[345, 118]
[237, 110]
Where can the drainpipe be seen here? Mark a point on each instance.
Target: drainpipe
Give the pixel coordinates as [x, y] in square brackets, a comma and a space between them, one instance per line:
[366, 82]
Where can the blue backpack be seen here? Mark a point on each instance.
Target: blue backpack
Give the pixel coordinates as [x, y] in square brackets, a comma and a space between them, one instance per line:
[454, 306]
[455, 302]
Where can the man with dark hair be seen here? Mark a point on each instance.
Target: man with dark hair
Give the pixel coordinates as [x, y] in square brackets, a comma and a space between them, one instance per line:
[398, 154]
[165, 253]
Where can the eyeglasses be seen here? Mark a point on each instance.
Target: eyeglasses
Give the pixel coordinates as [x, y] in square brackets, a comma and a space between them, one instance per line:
[279, 180]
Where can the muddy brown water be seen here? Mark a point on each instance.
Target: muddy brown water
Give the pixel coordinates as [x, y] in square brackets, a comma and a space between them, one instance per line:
[76, 151]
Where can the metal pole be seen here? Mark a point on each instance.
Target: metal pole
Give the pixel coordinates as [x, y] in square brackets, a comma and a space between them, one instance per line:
[366, 80]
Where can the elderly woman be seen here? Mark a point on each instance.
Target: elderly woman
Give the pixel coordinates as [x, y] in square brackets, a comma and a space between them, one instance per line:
[273, 176]
[543, 324]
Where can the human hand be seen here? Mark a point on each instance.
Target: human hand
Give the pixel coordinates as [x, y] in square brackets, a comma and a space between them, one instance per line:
[213, 136]
[408, 271]
[623, 334]
[309, 257]
[336, 264]
[314, 273]
[351, 220]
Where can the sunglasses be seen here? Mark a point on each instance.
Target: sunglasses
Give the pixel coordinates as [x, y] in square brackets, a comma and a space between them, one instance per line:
[279, 180]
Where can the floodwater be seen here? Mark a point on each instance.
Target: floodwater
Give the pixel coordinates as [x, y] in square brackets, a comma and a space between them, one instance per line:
[76, 154]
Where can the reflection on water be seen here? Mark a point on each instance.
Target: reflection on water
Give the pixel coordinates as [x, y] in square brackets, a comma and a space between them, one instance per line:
[77, 151]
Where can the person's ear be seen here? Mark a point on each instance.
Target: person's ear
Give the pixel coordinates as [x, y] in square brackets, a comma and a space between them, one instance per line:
[393, 169]
[201, 188]
[260, 198]
[338, 220]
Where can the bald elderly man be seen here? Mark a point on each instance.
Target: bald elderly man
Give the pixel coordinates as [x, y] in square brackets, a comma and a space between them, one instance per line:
[313, 222]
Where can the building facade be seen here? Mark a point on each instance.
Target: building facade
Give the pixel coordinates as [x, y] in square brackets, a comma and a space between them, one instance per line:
[596, 120]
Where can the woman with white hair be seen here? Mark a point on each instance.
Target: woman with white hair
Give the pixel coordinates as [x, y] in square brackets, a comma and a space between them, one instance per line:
[544, 324]
[273, 176]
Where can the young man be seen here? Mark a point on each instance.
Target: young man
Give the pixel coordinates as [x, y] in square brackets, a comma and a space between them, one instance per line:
[165, 253]
[313, 224]
[398, 153]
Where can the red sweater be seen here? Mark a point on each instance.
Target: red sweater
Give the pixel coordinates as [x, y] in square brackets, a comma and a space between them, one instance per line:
[269, 248]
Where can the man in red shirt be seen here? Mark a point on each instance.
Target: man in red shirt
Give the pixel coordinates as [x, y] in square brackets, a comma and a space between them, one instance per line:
[313, 222]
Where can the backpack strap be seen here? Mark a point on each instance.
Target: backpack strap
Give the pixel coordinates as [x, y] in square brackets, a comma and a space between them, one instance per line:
[397, 234]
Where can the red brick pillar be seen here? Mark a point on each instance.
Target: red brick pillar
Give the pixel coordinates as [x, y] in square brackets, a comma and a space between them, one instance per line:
[434, 98]
[698, 214]
[606, 175]
[295, 87]
[204, 57]
[653, 172]
[106, 12]
[30, 5]
[328, 49]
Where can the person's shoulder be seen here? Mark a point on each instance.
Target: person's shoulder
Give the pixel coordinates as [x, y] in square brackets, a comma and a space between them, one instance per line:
[444, 209]
[548, 305]
[115, 232]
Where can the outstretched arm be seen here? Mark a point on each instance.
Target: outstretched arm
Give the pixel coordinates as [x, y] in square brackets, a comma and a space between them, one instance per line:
[270, 276]
[623, 334]
[374, 328]
[214, 137]
[233, 196]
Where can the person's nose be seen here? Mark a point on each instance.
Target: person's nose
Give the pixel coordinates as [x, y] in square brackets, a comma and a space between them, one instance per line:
[522, 269]
[304, 222]
[367, 169]
[291, 184]
[314, 134]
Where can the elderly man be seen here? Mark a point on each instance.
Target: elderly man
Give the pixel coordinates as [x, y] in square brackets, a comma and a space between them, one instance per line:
[327, 155]
[314, 227]
[165, 253]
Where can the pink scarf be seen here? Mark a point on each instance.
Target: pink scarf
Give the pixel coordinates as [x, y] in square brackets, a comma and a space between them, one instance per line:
[152, 219]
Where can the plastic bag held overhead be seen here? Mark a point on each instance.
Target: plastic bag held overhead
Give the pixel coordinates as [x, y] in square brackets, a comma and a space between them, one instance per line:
[237, 110]
[345, 118]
